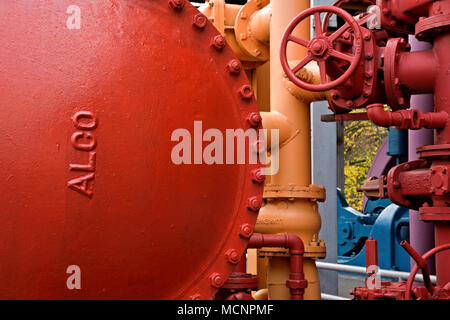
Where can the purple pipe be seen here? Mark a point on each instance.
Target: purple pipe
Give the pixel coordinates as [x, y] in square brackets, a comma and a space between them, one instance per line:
[421, 233]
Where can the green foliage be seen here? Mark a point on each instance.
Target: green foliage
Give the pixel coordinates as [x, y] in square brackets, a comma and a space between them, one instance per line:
[362, 139]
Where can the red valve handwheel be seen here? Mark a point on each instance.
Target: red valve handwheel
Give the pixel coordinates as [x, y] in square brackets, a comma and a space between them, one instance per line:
[414, 270]
[321, 48]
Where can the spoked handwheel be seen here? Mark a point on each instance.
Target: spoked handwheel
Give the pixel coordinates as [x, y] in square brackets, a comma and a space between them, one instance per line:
[321, 48]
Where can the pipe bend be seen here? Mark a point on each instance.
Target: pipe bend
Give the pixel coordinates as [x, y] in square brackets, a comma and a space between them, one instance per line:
[295, 244]
[379, 116]
[286, 240]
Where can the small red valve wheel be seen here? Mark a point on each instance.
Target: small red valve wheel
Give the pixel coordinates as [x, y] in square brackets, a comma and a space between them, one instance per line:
[412, 275]
[321, 48]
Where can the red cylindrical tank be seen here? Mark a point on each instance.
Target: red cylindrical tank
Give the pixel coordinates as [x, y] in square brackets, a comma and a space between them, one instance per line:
[90, 96]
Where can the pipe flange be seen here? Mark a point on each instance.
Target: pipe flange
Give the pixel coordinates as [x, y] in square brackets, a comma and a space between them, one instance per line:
[312, 250]
[397, 96]
[313, 192]
[428, 28]
[434, 213]
[260, 51]
[342, 105]
[434, 151]
[240, 281]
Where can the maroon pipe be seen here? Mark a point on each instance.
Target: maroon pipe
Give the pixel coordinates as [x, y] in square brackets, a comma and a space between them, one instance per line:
[412, 119]
[296, 282]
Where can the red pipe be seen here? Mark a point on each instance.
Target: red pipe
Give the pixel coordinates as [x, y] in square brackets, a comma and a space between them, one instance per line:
[412, 119]
[296, 282]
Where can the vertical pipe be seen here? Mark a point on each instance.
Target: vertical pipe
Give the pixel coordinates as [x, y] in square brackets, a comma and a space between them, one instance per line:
[441, 101]
[420, 232]
[298, 216]
[298, 171]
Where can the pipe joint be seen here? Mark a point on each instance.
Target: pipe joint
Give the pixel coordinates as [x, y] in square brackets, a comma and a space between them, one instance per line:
[296, 282]
[412, 119]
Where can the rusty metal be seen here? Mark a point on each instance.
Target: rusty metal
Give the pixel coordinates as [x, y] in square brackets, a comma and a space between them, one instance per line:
[138, 226]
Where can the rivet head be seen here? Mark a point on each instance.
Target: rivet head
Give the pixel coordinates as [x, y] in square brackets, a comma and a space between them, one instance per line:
[232, 256]
[217, 280]
[349, 103]
[234, 66]
[246, 231]
[218, 42]
[246, 92]
[258, 176]
[254, 203]
[176, 4]
[254, 119]
[200, 21]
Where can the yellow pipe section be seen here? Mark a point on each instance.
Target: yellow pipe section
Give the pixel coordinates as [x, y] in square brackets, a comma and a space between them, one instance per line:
[310, 74]
[295, 215]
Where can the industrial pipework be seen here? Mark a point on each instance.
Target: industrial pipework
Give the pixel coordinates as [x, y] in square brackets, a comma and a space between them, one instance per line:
[254, 31]
[365, 66]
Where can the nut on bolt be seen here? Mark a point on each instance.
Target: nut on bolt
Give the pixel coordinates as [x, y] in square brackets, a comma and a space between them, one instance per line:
[232, 256]
[217, 280]
[254, 203]
[246, 92]
[234, 66]
[176, 4]
[246, 231]
[254, 119]
[258, 176]
[200, 21]
[218, 42]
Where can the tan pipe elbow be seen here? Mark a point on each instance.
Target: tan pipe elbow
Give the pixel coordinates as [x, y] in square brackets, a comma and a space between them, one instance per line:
[310, 74]
[276, 120]
[259, 26]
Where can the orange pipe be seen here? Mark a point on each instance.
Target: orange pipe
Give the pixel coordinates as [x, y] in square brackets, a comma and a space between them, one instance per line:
[299, 216]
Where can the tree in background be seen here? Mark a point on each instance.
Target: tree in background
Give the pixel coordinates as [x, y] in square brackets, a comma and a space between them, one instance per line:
[362, 139]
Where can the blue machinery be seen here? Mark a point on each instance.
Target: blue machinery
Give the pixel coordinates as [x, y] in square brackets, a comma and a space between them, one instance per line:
[383, 221]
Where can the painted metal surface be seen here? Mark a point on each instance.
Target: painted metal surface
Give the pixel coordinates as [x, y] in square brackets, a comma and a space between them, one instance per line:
[383, 221]
[422, 184]
[86, 174]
